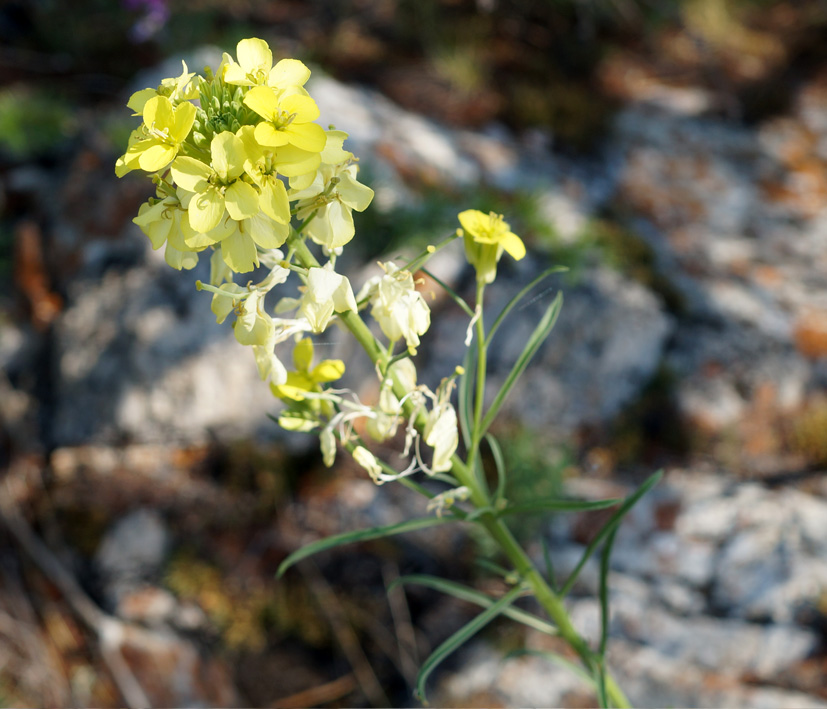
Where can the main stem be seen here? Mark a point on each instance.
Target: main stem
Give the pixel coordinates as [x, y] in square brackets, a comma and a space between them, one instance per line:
[464, 473]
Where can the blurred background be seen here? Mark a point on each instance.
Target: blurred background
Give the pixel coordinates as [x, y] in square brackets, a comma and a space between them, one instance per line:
[671, 153]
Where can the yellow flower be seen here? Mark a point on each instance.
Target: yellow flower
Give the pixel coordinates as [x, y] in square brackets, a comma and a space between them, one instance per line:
[305, 379]
[485, 237]
[399, 308]
[158, 142]
[217, 187]
[255, 67]
[288, 119]
[332, 226]
[178, 89]
[164, 222]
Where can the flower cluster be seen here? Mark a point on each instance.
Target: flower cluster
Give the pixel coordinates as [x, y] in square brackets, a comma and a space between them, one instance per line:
[243, 173]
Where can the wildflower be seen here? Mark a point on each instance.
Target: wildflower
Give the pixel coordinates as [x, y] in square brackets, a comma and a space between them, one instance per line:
[177, 90]
[326, 293]
[442, 435]
[157, 143]
[164, 222]
[288, 119]
[441, 432]
[331, 198]
[305, 379]
[485, 237]
[255, 67]
[399, 308]
[216, 187]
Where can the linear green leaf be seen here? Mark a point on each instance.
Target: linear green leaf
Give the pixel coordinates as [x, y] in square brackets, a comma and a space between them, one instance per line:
[537, 338]
[517, 298]
[552, 577]
[359, 535]
[559, 505]
[464, 633]
[465, 593]
[603, 594]
[451, 292]
[499, 462]
[607, 528]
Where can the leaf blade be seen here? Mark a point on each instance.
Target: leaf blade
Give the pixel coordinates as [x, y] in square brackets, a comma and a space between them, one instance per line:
[541, 332]
[471, 595]
[360, 535]
[458, 638]
[559, 505]
[606, 529]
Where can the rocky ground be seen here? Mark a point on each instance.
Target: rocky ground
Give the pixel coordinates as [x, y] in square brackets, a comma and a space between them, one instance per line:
[694, 332]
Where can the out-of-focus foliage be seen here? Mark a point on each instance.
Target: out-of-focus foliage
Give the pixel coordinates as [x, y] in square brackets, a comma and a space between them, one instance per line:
[33, 122]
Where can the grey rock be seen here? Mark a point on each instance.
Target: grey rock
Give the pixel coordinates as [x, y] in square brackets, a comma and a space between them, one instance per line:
[140, 358]
[132, 552]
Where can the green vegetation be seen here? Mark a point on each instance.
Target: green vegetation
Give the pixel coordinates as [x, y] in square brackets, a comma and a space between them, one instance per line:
[33, 123]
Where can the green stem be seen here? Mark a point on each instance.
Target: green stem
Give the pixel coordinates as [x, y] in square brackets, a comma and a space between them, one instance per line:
[479, 394]
[551, 602]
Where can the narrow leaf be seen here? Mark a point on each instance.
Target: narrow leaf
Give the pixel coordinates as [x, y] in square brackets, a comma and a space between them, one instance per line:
[465, 395]
[499, 463]
[604, 591]
[534, 342]
[607, 528]
[517, 298]
[464, 593]
[603, 594]
[359, 535]
[451, 292]
[552, 577]
[559, 505]
[461, 636]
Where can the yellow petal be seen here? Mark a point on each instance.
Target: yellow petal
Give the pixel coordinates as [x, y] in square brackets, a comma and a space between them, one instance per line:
[262, 100]
[184, 118]
[239, 252]
[241, 200]
[158, 113]
[227, 153]
[473, 221]
[288, 72]
[180, 259]
[234, 74]
[307, 136]
[268, 234]
[274, 201]
[303, 355]
[354, 194]
[291, 161]
[190, 174]
[268, 136]
[513, 244]
[254, 54]
[303, 107]
[138, 100]
[328, 370]
[205, 210]
[154, 155]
